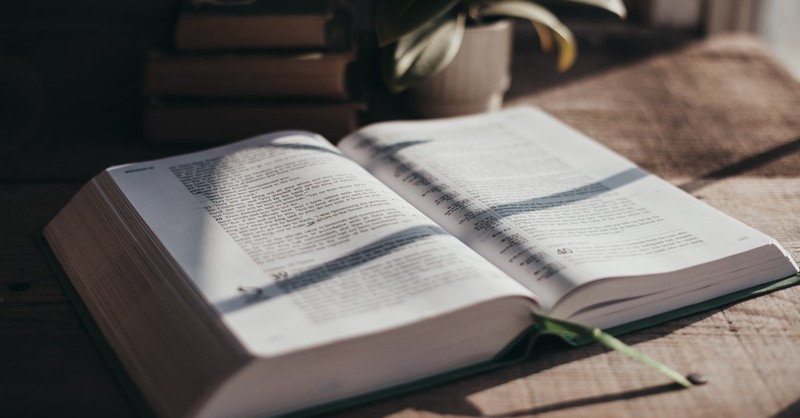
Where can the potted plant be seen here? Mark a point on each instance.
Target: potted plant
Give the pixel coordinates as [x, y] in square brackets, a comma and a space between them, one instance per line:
[454, 55]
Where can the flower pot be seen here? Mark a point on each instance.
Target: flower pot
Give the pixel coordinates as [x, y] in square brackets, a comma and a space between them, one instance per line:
[475, 81]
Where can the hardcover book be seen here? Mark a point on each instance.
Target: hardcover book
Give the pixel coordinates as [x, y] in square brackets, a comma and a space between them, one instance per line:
[305, 24]
[319, 75]
[282, 273]
[219, 121]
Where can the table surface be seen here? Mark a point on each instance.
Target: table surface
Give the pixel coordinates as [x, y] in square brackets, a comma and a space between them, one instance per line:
[716, 117]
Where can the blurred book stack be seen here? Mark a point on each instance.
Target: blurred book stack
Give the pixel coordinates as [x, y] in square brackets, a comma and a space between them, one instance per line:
[243, 67]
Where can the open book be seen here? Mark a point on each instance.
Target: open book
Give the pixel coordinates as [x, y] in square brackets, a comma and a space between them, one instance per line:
[282, 273]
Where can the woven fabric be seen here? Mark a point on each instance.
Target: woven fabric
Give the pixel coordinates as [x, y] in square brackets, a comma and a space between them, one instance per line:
[717, 108]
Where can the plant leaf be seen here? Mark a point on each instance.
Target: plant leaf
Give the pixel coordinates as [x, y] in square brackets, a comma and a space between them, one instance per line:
[567, 49]
[545, 38]
[576, 331]
[397, 18]
[614, 6]
[425, 52]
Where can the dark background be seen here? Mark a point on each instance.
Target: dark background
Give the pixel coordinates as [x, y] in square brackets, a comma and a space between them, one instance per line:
[71, 77]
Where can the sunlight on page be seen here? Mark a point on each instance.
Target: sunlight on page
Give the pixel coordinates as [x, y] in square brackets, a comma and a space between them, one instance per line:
[552, 208]
[286, 227]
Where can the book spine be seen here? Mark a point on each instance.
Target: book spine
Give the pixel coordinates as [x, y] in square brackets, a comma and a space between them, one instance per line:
[247, 76]
[224, 123]
[196, 33]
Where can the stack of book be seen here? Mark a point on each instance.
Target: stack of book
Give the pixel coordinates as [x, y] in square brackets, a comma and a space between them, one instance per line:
[242, 68]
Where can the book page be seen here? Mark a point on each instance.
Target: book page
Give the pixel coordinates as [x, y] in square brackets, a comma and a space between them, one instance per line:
[549, 206]
[296, 246]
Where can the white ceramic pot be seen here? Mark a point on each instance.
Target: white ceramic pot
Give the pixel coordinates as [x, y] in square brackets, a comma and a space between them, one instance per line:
[475, 81]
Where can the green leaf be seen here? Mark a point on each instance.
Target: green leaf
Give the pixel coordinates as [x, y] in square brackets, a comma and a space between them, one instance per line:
[424, 52]
[614, 6]
[397, 18]
[580, 332]
[567, 49]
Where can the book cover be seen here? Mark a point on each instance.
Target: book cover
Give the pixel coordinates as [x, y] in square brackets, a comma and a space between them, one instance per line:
[314, 24]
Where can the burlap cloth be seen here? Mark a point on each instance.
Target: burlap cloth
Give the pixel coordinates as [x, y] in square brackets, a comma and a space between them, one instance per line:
[715, 108]
[719, 118]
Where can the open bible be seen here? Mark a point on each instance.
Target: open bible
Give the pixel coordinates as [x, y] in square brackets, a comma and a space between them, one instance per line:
[282, 273]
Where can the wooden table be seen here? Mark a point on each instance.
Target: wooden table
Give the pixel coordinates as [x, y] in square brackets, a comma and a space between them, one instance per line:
[718, 118]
